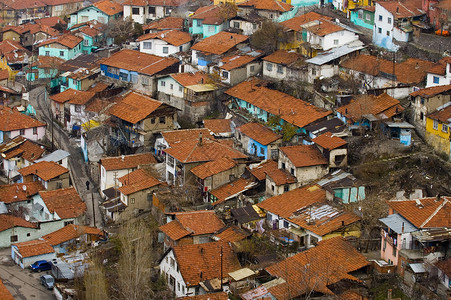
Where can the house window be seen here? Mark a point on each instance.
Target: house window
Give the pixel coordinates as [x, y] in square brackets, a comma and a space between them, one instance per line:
[152, 121]
[147, 45]
[162, 120]
[85, 43]
[163, 83]
[379, 30]
[172, 86]
[269, 67]
[168, 10]
[77, 108]
[252, 68]
[335, 42]
[28, 234]
[14, 238]
[394, 251]
[113, 70]
[422, 101]
[380, 18]
[279, 69]
[269, 217]
[389, 20]
[285, 224]
[436, 79]
[445, 128]
[225, 74]
[68, 223]
[254, 26]
[435, 125]
[388, 33]
[22, 131]
[178, 286]
[144, 80]
[283, 166]
[368, 17]
[180, 89]
[151, 10]
[199, 23]
[211, 28]
[262, 151]
[172, 262]
[132, 200]
[360, 14]
[272, 187]
[61, 53]
[170, 161]
[47, 53]
[286, 188]
[314, 72]
[135, 10]
[236, 24]
[135, 78]
[165, 50]
[292, 171]
[59, 185]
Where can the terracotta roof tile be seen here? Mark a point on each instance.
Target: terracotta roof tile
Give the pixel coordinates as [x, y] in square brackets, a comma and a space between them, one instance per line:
[174, 230]
[173, 137]
[401, 10]
[11, 119]
[281, 177]
[21, 147]
[97, 105]
[202, 262]
[73, 97]
[235, 61]
[231, 234]
[442, 115]
[48, 62]
[430, 214]
[70, 232]
[24, 4]
[323, 27]
[165, 23]
[259, 133]
[66, 203]
[210, 15]
[134, 107]
[6, 295]
[172, 37]
[59, 2]
[210, 296]
[137, 181]
[273, 5]
[213, 167]
[89, 31]
[444, 266]
[8, 221]
[260, 171]
[283, 57]
[16, 192]
[46, 170]
[304, 155]
[127, 161]
[199, 222]
[218, 126]
[444, 5]
[292, 110]
[68, 40]
[432, 91]
[167, 3]
[220, 43]
[187, 79]
[232, 189]
[208, 150]
[50, 21]
[34, 248]
[329, 142]
[109, 7]
[296, 22]
[139, 62]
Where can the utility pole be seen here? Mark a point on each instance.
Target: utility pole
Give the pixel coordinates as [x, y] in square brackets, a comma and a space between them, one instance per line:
[92, 200]
[221, 268]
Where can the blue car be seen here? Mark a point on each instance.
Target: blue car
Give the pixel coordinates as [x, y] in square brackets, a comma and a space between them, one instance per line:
[41, 265]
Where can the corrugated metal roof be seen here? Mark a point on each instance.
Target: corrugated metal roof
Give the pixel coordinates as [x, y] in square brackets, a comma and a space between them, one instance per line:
[395, 222]
[334, 53]
[241, 274]
[418, 268]
[399, 125]
[55, 156]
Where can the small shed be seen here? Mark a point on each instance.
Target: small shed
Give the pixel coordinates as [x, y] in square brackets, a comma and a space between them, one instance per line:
[401, 131]
[241, 280]
[26, 253]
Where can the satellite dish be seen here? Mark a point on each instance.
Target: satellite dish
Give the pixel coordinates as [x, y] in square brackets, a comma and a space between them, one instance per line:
[24, 187]
[27, 218]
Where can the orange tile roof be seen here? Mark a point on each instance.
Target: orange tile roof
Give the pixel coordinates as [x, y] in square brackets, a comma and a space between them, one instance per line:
[97, 105]
[6, 295]
[232, 189]
[34, 248]
[177, 136]
[9, 221]
[13, 51]
[283, 57]
[90, 31]
[323, 27]
[259, 133]
[210, 15]
[4, 74]
[46, 170]
[430, 214]
[68, 40]
[187, 79]
[235, 61]
[140, 62]
[213, 167]
[24, 4]
[137, 181]
[109, 7]
[193, 151]
[307, 271]
[401, 10]
[134, 107]
[296, 22]
[266, 166]
[73, 96]
[16, 192]
[11, 119]
[199, 222]
[59, 2]
[444, 266]
[174, 230]
[66, 203]
[70, 232]
[210, 296]
[292, 110]
[329, 142]
[165, 23]
[50, 21]
[35, 28]
[273, 5]
[218, 126]
[220, 43]
[304, 155]
[382, 106]
[171, 36]
[203, 261]
[231, 234]
[26, 149]
[127, 161]
[281, 177]
[442, 115]
[48, 62]
[432, 91]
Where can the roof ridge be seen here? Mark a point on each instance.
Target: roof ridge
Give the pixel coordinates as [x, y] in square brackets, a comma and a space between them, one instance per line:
[445, 201]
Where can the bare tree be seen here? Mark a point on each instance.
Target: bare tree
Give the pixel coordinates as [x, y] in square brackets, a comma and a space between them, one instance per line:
[269, 37]
[95, 283]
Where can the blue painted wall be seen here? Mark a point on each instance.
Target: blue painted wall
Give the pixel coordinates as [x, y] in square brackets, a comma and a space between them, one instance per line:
[255, 146]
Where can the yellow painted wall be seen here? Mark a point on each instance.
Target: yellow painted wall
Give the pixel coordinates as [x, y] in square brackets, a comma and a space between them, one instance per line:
[11, 35]
[352, 4]
[437, 138]
[4, 66]
[351, 230]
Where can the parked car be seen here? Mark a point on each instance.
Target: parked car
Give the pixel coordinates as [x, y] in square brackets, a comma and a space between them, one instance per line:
[47, 281]
[41, 265]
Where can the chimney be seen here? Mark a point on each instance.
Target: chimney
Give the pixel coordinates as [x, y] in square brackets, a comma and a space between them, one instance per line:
[200, 139]
[437, 198]
[122, 157]
[397, 9]
[417, 66]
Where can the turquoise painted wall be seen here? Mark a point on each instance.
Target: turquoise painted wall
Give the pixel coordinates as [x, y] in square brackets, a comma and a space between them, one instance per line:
[302, 3]
[66, 54]
[88, 14]
[196, 27]
[362, 22]
[209, 30]
[350, 194]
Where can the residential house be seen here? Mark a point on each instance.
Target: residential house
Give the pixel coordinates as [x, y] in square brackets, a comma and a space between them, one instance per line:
[212, 49]
[334, 125]
[170, 138]
[81, 73]
[284, 65]
[258, 140]
[216, 173]
[187, 266]
[246, 25]
[164, 24]
[184, 156]
[112, 168]
[51, 21]
[192, 227]
[306, 273]
[17, 197]
[137, 68]
[142, 12]
[305, 162]
[363, 16]
[65, 46]
[231, 233]
[427, 100]
[415, 231]
[19, 12]
[245, 218]
[268, 9]
[230, 194]
[437, 129]
[46, 69]
[14, 33]
[17, 153]
[164, 43]
[393, 22]
[259, 170]
[136, 118]
[207, 21]
[399, 79]
[103, 11]
[344, 186]
[254, 98]
[220, 128]
[193, 94]
[93, 35]
[334, 149]
[14, 229]
[136, 189]
[306, 216]
[349, 6]
[29, 33]
[62, 8]
[72, 237]
[13, 123]
[13, 56]
[237, 67]
[440, 73]
[59, 156]
[26, 253]
[278, 181]
[51, 175]
[443, 272]
[442, 9]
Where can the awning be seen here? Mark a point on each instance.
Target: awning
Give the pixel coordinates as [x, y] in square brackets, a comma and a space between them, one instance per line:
[241, 274]
[418, 268]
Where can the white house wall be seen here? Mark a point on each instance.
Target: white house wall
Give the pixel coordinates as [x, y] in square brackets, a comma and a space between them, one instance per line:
[168, 270]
